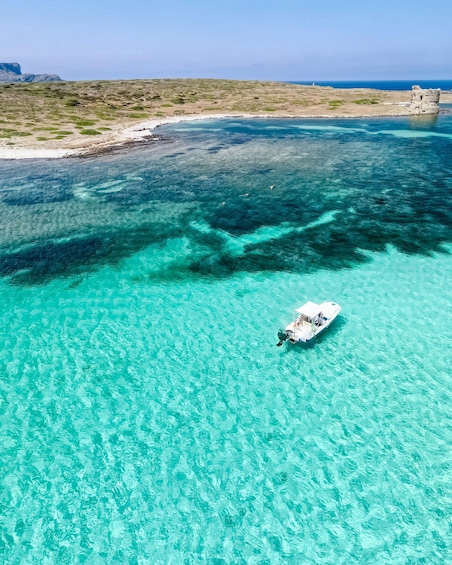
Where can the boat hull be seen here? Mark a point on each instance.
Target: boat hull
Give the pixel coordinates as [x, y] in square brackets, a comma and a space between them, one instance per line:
[301, 331]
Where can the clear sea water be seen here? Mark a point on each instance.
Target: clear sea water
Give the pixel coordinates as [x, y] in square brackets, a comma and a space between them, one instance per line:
[146, 415]
[383, 84]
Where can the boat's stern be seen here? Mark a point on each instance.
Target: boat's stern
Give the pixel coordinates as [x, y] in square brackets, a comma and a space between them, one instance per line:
[299, 332]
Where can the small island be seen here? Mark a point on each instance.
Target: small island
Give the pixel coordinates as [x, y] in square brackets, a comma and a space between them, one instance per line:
[56, 119]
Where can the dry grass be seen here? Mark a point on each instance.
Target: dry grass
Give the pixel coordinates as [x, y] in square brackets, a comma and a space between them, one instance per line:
[65, 114]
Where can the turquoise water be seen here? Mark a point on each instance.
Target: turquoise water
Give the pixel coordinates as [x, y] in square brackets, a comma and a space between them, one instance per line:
[146, 415]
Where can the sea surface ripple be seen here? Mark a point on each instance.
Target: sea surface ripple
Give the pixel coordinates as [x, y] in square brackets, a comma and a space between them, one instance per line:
[146, 415]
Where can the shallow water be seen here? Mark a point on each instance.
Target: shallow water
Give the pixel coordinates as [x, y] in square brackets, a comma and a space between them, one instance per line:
[146, 414]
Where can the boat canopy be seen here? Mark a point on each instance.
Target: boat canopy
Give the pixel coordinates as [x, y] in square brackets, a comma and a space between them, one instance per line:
[310, 310]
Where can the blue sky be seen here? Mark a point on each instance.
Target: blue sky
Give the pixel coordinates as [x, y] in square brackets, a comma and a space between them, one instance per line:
[266, 39]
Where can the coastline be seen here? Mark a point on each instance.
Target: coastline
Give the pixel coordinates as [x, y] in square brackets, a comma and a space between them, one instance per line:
[145, 131]
[122, 135]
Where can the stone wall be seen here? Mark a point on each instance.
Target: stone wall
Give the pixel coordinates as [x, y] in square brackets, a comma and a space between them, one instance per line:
[424, 101]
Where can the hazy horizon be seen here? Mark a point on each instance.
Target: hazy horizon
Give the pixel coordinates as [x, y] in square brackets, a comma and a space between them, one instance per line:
[290, 41]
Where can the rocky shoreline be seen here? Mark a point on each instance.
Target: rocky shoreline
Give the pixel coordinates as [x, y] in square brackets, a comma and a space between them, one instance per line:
[123, 137]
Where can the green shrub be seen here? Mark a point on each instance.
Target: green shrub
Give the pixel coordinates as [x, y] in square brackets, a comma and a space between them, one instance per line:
[366, 101]
[90, 132]
[8, 133]
[81, 122]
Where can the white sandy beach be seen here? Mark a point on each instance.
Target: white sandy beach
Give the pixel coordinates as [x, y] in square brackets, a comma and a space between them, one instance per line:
[31, 153]
[137, 132]
[140, 131]
[121, 136]
[118, 137]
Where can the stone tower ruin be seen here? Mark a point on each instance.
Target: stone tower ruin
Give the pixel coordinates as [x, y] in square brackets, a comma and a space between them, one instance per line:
[424, 101]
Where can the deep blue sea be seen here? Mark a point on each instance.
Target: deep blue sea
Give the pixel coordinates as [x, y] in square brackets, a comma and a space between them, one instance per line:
[383, 84]
[146, 415]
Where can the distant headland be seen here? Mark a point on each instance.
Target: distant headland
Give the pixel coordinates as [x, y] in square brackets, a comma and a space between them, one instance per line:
[11, 72]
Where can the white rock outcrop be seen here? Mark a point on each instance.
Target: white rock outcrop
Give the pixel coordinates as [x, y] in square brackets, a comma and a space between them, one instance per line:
[424, 101]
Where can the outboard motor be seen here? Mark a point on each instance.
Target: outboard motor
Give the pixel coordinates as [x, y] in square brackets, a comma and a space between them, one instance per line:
[282, 336]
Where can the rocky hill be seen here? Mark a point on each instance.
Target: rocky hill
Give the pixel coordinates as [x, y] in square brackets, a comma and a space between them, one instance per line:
[11, 72]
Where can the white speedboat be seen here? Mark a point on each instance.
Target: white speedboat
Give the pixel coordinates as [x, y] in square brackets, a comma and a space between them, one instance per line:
[310, 321]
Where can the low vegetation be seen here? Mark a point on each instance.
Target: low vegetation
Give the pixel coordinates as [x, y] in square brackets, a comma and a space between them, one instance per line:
[367, 101]
[65, 111]
[333, 104]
